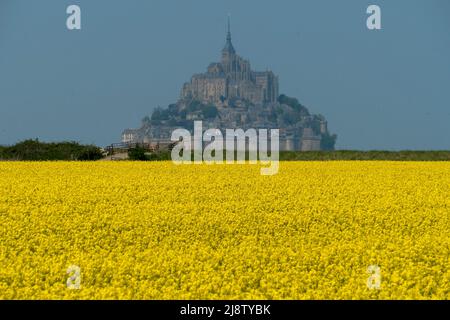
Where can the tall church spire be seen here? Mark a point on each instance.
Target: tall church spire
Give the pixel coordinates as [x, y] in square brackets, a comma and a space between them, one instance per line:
[229, 46]
[229, 30]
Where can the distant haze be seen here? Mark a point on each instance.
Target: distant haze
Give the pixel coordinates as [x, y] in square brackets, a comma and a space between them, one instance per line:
[387, 89]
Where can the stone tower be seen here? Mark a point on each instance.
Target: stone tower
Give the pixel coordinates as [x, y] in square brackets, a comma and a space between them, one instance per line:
[232, 78]
[228, 52]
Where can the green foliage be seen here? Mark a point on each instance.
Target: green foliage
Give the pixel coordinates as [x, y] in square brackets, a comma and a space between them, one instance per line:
[209, 112]
[289, 119]
[194, 105]
[341, 155]
[34, 150]
[293, 103]
[90, 153]
[328, 142]
[172, 122]
[160, 114]
[279, 110]
[173, 108]
[137, 154]
[146, 120]
[165, 114]
[158, 156]
[349, 155]
[273, 116]
[156, 115]
[183, 114]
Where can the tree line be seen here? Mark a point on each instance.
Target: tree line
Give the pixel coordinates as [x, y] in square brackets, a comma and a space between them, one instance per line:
[35, 150]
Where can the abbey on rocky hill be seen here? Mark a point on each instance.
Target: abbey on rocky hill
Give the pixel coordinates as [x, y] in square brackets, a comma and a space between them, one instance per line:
[232, 78]
[231, 95]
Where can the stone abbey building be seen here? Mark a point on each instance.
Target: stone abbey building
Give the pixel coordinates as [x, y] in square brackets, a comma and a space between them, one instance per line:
[230, 95]
[232, 78]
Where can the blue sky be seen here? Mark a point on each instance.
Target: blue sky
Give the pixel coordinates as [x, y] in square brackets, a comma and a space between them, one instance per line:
[387, 89]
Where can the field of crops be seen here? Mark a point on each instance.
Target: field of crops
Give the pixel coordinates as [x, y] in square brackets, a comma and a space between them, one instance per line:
[159, 231]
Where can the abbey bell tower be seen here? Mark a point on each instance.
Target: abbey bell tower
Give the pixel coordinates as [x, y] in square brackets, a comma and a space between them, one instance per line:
[230, 79]
[228, 52]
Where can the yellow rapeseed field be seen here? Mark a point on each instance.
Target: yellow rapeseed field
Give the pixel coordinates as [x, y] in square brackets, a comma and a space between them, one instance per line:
[160, 231]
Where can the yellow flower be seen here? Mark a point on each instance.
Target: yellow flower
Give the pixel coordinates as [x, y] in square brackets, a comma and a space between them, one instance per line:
[160, 231]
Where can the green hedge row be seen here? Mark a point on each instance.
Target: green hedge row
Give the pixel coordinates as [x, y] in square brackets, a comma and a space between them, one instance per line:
[34, 150]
